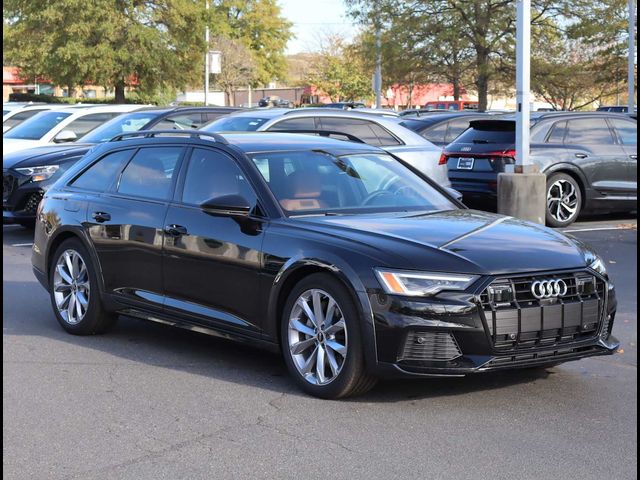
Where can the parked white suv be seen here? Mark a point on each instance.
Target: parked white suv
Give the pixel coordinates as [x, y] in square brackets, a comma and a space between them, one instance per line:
[60, 125]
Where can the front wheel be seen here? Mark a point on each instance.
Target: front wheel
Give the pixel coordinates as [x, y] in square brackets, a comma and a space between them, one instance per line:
[321, 341]
[564, 200]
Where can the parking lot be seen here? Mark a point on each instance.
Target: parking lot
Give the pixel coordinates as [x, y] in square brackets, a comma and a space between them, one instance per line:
[149, 401]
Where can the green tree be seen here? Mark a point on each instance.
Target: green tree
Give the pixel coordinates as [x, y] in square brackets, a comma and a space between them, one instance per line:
[238, 66]
[106, 42]
[260, 26]
[339, 73]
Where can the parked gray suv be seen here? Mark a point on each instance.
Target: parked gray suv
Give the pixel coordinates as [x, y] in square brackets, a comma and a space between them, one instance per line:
[590, 159]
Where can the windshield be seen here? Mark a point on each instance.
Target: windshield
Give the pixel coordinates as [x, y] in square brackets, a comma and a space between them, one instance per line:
[37, 126]
[121, 124]
[235, 124]
[305, 182]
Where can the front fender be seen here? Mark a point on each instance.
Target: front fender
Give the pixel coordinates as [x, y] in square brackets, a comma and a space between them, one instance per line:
[344, 272]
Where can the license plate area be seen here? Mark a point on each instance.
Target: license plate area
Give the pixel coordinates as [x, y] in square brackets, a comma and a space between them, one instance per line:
[465, 163]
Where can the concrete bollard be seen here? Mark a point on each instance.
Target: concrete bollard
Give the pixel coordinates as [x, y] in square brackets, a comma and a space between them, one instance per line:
[523, 195]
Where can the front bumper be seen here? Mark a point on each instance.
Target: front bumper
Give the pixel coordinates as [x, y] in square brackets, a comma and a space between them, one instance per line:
[451, 335]
[20, 197]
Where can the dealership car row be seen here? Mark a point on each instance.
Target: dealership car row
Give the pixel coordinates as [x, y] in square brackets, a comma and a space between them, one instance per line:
[590, 158]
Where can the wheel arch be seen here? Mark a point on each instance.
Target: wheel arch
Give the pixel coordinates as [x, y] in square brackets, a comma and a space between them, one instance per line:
[573, 171]
[299, 268]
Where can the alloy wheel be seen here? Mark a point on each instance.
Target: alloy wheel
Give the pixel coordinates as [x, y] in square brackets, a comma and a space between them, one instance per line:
[562, 200]
[71, 287]
[317, 337]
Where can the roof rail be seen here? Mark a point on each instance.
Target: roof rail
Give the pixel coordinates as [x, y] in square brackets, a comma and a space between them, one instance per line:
[323, 133]
[153, 133]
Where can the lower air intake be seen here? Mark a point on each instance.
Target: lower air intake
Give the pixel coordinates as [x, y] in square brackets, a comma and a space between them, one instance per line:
[430, 346]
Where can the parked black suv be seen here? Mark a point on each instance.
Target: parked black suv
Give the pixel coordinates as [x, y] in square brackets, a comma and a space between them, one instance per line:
[27, 174]
[351, 263]
[590, 160]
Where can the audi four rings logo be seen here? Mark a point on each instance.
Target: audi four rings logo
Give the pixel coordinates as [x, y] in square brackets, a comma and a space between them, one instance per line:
[549, 289]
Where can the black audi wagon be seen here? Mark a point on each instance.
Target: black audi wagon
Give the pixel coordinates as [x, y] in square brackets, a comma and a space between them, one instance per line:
[345, 259]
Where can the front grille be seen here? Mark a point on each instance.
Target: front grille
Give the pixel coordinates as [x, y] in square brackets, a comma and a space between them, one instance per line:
[430, 346]
[522, 321]
[31, 205]
[8, 185]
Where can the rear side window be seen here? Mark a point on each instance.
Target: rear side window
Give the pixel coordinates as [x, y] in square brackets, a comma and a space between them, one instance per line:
[558, 132]
[20, 117]
[489, 133]
[456, 127]
[212, 174]
[84, 125]
[150, 173]
[589, 131]
[184, 121]
[369, 132]
[306, 123]
[101, 175]
[436, 134]
[627, 131]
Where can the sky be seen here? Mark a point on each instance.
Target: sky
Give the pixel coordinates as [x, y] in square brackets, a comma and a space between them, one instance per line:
[313, 18]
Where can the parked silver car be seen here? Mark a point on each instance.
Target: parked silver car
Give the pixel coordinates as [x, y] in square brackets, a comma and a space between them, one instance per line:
[373, 129]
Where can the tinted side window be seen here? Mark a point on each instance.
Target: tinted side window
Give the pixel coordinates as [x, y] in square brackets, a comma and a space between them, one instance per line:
[368, 132]
[306, 123]
[20, 117]
[150, 173]
[627, 131]
[184, 121]
[101, 175]
[558, 132]
[589, 131]
[212, 174]
[84, 125]
[456, 127]
[437, 133]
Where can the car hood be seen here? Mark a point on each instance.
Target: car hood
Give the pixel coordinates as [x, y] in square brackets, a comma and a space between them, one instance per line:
[15, 144]
[464, 241]
[44, 155]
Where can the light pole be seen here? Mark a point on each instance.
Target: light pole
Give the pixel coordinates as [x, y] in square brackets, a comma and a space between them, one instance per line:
[632, 50]
[378, 73]
[522, 191]
[206, 55]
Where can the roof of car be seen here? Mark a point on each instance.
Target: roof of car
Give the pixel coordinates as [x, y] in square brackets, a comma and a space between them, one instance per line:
[444, 117]
[538, 116]
[270, 141]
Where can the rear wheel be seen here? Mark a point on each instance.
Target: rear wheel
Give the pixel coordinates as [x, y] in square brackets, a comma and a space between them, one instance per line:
[321, 340]
[74, 292]
[564, 200]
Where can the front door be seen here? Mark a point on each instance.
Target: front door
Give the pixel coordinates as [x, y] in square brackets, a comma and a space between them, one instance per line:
[212, 261]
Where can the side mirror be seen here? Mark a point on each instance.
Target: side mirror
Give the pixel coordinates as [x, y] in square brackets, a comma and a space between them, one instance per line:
[65, 136]
[228, 204]
[454, 193]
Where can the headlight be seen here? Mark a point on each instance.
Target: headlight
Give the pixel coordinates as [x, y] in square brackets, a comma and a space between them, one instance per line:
[415, 284]
[39, 174]
[599, 266]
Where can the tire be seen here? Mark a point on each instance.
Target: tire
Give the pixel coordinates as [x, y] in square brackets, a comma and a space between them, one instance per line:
[564, 200]
[344, 373]
[89, 317]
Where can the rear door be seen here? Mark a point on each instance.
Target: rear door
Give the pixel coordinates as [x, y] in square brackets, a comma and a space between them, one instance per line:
[592, 145]
[126, 225]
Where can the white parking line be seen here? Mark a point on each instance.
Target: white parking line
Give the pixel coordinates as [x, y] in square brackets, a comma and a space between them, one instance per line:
[22, 244]
[598, 229]
[10, 226]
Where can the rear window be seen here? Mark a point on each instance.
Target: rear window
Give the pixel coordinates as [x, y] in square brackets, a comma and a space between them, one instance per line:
[489, 133]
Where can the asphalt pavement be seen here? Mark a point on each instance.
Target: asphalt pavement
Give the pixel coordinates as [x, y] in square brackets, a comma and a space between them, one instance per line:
[150, 402]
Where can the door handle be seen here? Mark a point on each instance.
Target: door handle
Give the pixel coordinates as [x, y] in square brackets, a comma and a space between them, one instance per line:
[633, 157]
[175, 230]
[582, 155]
[101, 216]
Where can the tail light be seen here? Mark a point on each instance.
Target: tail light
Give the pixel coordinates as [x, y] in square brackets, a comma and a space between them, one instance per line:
[443, 159]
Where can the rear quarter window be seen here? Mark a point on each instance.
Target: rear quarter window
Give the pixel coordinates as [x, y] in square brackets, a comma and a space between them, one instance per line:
[102, 174]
